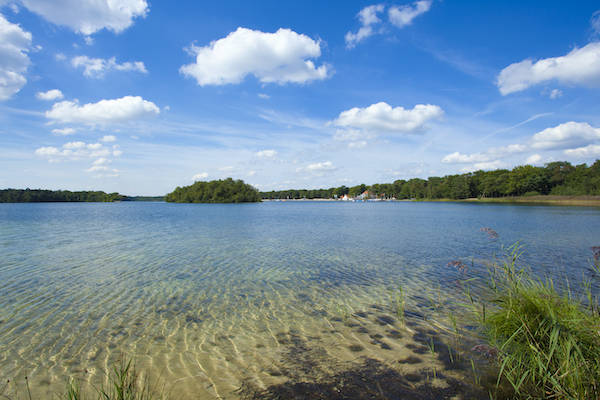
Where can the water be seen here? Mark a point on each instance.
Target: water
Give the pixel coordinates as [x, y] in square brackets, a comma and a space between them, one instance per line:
[225, 301]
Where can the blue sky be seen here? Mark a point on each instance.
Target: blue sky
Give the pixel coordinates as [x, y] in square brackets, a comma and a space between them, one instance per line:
[148, 95]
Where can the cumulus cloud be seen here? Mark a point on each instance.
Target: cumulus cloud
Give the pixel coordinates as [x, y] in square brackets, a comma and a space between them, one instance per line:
[98, 67]
[108, 138]
[569, 134]
[63, 131]
[579, 67]
[264, 96]
[589, 151]
[577, 139]
[280, 57]
[402, 16]
[488, 156]
[533, 159]
[103, 112]
[383, 117]
[320, 167]
[200, 176]
[74, 151]
[50, 95]
[266, 153]
[14, 46]
[368, 17]
[89, 16]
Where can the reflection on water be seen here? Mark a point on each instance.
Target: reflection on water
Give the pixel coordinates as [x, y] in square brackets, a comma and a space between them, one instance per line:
[258, 300]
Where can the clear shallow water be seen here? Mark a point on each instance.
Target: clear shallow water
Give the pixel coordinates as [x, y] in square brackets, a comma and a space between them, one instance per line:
[219, 300]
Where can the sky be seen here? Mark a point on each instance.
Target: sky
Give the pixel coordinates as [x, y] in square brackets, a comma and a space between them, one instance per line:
[141, 96]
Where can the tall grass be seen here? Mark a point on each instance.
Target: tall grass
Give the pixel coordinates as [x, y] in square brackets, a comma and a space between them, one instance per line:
[123, 383]
[547, 340]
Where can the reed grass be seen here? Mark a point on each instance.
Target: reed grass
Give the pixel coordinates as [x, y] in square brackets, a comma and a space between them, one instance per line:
[546, 341]
[123, 383]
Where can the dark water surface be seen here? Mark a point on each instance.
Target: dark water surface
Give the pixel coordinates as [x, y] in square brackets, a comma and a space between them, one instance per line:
[227, 301]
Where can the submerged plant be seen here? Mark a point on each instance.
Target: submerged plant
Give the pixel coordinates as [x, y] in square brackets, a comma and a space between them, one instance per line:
[547, 343]
[399, 304]
[492, 234]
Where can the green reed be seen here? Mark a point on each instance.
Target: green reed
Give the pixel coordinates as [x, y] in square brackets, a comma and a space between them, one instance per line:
[123, 383]
[546, 341]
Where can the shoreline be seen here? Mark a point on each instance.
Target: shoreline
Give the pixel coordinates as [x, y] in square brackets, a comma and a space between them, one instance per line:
[583, 201]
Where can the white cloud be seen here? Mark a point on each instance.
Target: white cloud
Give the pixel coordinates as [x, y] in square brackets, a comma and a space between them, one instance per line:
[368, 17]
[382, 117]
[251, 173]
[402, 16]
[319, 167]
[75, 150]
[569, 134]
[102, 168]
[103, 112]
[108, 138]
[266, 153]
[591, 150]
[489, 165]
[555, 94]
[490, 156]
[200, 176]
[101, 161]
[14, 45]
[579, 67]
[63, 131]
[459, 158]
[47, 151]
[89, 16]
[279, 57]
[115, 150]
[53, 94]
[533, 159]
[264, 96]
[98, 67]
[74, 145]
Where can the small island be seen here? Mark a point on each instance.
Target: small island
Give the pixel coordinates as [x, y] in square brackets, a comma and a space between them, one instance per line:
[217, 191]
[51, 196]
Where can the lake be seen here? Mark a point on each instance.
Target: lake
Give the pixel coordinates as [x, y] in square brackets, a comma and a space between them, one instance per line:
[236, 301]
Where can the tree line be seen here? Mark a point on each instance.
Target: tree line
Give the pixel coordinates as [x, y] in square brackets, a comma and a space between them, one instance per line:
[43, 196]
[555, 178]
[217, 191]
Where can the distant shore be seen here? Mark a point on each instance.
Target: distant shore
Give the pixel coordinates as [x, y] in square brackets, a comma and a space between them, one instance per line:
[588, 201]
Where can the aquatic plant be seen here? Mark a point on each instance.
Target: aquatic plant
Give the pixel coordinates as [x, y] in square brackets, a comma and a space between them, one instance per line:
[492, 234]
[400, 304]
[123, 383]
[458, 265]
[596, 252]
[546, 341]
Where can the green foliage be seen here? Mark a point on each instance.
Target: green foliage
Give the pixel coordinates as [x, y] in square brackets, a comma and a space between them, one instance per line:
[557, 178]
[123, 383]
[548, 343]
[41, 196]
[220, 191]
